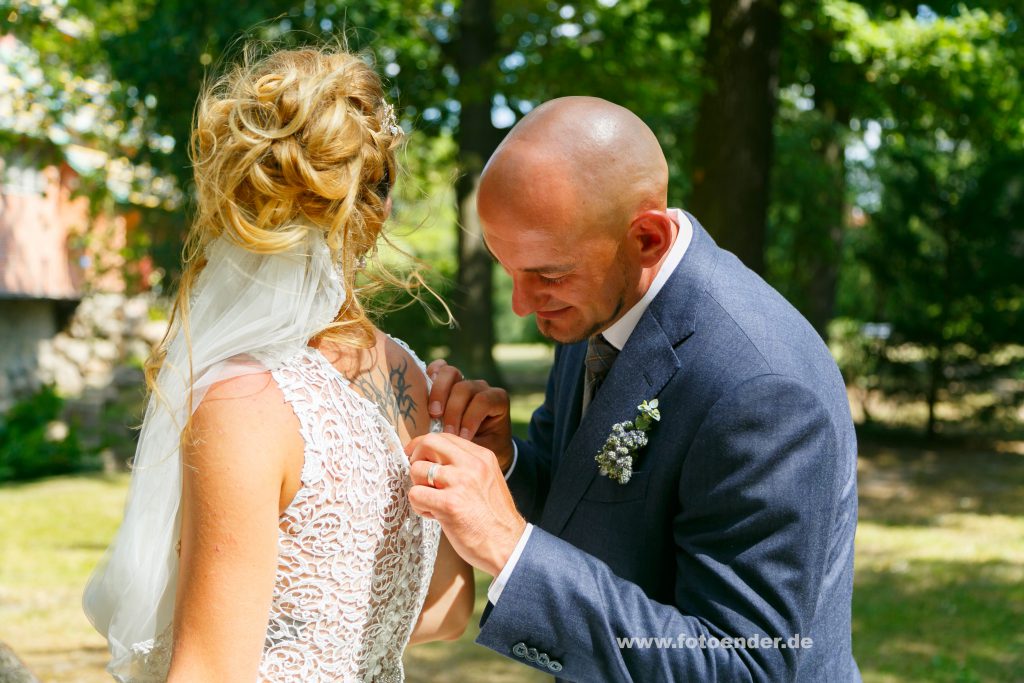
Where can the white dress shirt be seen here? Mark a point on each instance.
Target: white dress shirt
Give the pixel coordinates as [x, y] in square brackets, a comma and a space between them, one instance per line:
[617, 335]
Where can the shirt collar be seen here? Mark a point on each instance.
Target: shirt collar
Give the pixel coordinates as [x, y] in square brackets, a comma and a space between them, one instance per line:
[618, 334]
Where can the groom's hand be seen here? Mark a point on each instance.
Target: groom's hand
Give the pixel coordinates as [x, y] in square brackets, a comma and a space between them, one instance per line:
[472, 409]
[469, 498]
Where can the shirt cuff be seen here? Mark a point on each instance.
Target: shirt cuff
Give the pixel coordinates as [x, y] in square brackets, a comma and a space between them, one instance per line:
[515, 458]
[498, 584]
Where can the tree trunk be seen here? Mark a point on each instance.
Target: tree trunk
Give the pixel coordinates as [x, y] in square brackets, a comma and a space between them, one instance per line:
[734, 137]
[823, 262]
[473, 342]
[937, 369]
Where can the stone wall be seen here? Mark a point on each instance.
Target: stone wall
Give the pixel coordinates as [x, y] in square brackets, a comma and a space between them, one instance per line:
[12, 669]
[107, 332]
[95, 363]
[23, 323]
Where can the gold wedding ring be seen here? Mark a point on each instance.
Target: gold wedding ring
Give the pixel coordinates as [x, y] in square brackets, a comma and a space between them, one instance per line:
[431, 471]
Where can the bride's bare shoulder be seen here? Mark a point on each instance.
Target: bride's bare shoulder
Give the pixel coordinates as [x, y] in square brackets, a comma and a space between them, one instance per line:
[243, 411]
[402, 363]
[251, 391]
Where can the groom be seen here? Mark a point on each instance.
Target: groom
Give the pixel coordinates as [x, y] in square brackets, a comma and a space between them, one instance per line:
[722, 549]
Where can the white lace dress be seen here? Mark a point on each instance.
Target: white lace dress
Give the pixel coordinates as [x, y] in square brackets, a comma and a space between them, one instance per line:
[354, 560]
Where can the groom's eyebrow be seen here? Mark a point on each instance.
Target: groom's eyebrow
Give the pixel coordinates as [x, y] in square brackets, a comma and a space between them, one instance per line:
[541, 270]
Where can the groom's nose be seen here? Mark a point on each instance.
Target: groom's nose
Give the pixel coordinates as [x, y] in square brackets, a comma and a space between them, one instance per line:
[522, 300]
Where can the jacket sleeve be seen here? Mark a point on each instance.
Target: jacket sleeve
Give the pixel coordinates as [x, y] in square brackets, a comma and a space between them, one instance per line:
[531, 477]
[757, 495]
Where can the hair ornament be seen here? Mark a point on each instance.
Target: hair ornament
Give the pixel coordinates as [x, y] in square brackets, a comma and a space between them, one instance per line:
[389, 120]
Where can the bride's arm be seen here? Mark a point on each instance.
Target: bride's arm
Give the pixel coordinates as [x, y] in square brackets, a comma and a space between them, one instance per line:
[233, 470]
[449, 603]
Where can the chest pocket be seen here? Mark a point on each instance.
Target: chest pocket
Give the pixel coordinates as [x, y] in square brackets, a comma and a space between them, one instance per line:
[605, 490]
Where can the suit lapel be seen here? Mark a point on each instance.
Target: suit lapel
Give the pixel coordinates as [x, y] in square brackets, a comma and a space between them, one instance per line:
[573, 377]
[641, 370]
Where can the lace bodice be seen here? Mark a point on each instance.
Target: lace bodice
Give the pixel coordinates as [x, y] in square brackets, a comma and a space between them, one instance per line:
[354, 560]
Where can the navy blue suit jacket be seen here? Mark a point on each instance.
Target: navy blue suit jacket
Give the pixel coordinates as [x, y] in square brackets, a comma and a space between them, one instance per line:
[740, 516]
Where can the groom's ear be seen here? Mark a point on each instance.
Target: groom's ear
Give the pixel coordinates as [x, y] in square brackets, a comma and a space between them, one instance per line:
[652, 233]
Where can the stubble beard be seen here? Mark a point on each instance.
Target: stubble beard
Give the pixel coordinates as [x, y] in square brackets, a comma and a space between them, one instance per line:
[592, 330]
[604, 323]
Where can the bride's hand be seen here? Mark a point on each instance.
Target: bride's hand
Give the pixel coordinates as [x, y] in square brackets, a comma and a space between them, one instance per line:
[472, 409]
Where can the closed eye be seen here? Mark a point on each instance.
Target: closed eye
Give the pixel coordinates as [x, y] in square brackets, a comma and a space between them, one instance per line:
[547, 279]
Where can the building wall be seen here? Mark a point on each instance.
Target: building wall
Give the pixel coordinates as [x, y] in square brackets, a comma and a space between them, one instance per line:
[37, 219]
[23, 324]
[52, 252]
[50, 246]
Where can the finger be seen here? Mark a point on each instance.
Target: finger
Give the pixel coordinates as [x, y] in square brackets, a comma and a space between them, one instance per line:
[442, 448]
[435, 367]
[428, 501]
[445, 449]
[445, 378]
[465, 463]
[458, 401]
[419, 472]
[490, 403]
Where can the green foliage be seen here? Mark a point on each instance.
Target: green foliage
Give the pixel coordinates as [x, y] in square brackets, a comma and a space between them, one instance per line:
[943, 244]
[806, 215]
[34, 442]
[421, 227]
[897, 179]
[59, 88]
[509, 328]
[916, 221]
[419, 236]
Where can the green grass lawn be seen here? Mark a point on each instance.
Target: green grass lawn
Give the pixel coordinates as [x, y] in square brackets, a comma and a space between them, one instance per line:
[939, 587]
[53, 533]
[939, 590]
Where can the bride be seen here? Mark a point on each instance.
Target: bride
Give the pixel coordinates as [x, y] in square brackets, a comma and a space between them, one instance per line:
[267, 534]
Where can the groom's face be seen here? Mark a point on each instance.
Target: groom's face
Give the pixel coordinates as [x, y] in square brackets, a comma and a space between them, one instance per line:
[575, 279]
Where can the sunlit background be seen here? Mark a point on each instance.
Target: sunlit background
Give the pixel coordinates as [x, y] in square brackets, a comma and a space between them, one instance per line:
[867, 158]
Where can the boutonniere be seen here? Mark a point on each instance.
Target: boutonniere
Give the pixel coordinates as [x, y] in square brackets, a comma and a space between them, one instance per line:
[615, 459]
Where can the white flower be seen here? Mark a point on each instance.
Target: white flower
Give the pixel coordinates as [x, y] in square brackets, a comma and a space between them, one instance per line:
[616, 458]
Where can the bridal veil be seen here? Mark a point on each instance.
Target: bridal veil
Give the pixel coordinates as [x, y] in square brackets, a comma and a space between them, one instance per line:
[248, 312]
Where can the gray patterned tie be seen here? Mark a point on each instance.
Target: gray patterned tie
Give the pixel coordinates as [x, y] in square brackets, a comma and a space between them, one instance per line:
[600, 356]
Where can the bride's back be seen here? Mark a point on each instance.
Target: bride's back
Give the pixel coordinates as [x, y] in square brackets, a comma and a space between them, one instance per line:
[387, 375]
[354, 559]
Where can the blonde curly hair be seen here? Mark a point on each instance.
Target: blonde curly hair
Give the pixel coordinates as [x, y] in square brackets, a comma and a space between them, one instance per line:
[287, 142]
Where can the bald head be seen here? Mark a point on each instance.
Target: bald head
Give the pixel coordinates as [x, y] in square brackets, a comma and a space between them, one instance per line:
[579, 156]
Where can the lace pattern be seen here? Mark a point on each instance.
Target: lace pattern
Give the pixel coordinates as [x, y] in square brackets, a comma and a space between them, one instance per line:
[354, 560]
